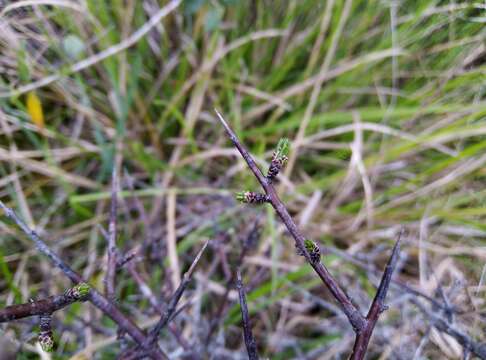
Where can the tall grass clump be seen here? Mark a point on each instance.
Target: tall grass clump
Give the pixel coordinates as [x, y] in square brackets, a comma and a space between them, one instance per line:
[114, 165]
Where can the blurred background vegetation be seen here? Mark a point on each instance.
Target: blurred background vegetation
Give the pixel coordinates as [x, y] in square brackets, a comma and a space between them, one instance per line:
[384, 104]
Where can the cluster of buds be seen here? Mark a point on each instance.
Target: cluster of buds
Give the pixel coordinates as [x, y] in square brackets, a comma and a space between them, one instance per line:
[313, 250]
[46, 339]
[279, 158]
[78, 292]
[250, 197]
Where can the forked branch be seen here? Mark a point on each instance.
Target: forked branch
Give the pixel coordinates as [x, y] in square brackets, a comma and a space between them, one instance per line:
[363, 326]
[98, 300]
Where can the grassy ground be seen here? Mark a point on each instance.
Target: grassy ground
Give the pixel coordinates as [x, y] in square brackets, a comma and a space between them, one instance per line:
[383, 101]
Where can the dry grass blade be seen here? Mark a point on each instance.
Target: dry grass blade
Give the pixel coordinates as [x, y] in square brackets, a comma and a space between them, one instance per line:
[478, 349]
[96, 58]
[112, 250]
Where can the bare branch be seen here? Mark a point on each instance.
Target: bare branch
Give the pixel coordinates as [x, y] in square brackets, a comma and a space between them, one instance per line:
[354, 316]
[362, 326]
[174, 300]
[45, 306]
[247, 333]
[248, 242]
[98, 300]
[378, 305]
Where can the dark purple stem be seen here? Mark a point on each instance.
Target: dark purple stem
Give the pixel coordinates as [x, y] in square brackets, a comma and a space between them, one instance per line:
[377, 306]
[39, 307]
[362, 326]
[354, 316]
[172, 305]
[247, 333]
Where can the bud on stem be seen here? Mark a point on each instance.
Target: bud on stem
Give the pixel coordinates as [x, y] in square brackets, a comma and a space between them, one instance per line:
[78, 292]
[279, 158]
[313, 250]
[46, 339]
[250, 197]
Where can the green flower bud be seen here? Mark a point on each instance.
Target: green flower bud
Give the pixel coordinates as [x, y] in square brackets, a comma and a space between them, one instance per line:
[313, 250]
[250, 197]
[241, 197]
[46, 341]
[81, 290]
[283, 148]
[78, 292]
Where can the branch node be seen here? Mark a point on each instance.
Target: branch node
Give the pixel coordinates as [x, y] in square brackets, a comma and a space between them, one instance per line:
[384, 308]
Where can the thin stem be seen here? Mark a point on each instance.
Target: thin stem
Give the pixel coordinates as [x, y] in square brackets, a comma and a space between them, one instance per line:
[172, 305]
[250, 239]
[98, 300]
[247, 333]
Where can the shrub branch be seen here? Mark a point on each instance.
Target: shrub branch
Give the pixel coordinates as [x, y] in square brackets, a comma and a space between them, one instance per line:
[45, 306]
[363, 326]
[96, 298]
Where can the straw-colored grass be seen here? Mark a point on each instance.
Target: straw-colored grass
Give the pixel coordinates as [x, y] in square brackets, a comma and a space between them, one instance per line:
[383, 102]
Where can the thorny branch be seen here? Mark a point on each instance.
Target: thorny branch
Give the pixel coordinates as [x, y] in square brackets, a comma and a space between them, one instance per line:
[167, 315]
[97, 299]
[248, 242]
[363, 326]
[172, 305]
[377, 306]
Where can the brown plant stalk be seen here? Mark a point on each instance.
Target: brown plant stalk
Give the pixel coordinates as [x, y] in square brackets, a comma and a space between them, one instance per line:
[362, 326]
